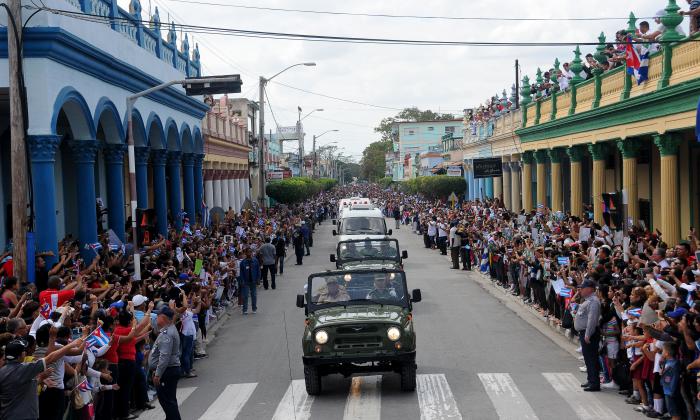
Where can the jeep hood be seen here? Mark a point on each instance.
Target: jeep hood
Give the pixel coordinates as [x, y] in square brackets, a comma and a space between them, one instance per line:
[361, 313]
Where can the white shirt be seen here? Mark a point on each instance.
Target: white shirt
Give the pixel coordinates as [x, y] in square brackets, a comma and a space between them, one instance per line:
[188, 327]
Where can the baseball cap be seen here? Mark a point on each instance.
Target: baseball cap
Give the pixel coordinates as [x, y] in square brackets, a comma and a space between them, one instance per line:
[139, 300]
[166, 311]
[588, 283]
[14, 349]
[679, 312]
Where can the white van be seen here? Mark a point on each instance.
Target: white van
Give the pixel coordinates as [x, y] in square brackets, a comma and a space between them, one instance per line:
[361, 224]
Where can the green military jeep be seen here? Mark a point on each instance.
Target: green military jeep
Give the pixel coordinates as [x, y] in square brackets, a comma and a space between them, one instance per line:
[368, 254]
[358, 321]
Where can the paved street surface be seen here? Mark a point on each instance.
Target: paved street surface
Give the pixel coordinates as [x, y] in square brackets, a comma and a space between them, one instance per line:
[476, 359]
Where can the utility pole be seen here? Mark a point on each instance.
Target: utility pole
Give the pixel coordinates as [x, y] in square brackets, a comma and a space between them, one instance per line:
[18, 152]
[261, 157]
[301, 144]
[313, 167]
[517, 84]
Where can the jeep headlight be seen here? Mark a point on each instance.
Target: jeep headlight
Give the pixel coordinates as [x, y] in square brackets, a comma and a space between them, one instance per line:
[321, 337]
[393, 333]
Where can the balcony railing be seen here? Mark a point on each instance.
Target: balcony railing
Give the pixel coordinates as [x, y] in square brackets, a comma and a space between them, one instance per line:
[495, 127]
[130, 25]
[673, 65]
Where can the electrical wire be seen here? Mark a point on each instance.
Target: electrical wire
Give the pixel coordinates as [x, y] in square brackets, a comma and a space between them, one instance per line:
[387, 15]
[344, 39]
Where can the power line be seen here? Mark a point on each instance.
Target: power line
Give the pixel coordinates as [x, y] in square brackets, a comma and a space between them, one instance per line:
[387, 15]
[345, 39]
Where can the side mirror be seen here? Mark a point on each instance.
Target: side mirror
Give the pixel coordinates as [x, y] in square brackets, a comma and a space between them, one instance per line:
[300, 300]
[415, 295]
[332, 257]
[334, 232]
[389, 232]
[404, 254]
[333, 221]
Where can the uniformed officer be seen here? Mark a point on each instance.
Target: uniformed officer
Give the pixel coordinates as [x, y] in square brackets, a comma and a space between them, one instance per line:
[586, 324]
[164, 360]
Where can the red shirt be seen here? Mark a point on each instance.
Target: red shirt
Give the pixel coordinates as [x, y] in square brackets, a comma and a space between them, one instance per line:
[125, 351]
[111, 355]
[63, 297]
[9, 267]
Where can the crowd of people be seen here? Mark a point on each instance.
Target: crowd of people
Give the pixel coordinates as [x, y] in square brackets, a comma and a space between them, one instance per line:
[631, 298]
[86, 340]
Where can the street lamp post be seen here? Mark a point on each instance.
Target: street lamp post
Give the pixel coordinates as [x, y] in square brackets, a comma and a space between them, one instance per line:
[302, 167]
[193, 87]
[263, 81]
[313, 167]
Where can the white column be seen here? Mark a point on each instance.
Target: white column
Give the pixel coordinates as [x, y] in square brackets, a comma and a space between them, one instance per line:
[208, 189]
[240, 193]
[246, 183]
[225, 202]
[217, 188]
[232, 198]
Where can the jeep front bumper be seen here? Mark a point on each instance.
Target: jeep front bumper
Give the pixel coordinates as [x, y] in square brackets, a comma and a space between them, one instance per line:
[359, 359]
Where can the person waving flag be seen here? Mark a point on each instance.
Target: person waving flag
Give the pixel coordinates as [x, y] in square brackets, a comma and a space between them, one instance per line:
[637, 61]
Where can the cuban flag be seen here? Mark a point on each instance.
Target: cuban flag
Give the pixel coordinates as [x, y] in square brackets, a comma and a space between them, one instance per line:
[484, 266]
[98, 338]
[565, 292]
[84, 386]
[637, 61]
[45, 310]
[187, 229]
[635, 312]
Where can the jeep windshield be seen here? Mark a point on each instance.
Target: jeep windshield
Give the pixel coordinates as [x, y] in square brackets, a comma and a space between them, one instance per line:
[366, 249]
[357, 288]
[363, 225]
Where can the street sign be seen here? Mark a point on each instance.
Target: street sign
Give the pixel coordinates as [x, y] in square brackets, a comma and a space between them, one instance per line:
[287, 133]
[454, 171]
[275, 175]
[196, 86]
[487, 168]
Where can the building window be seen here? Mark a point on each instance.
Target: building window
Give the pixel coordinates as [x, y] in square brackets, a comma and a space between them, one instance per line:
[431, 128]
[450, 129]
[409, 131]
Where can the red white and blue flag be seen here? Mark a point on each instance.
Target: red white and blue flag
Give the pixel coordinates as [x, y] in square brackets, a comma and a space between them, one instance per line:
[637, 61]
[565, 292]
[84, 386]
[98, 338]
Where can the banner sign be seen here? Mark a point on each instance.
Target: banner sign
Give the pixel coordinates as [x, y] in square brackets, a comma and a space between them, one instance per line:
[454, 171]
[487, 168]
[275, 175]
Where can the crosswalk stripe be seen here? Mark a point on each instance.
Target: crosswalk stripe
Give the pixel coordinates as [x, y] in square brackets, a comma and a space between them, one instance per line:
[509, 402]
[585, 405]
[230, 402]
[157, 413]
[296, 403]
[365, 399]
[435, 398]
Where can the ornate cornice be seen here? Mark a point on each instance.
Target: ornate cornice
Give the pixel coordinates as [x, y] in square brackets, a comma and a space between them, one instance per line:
[576, 153]
[629, 148]
[114, 153]
[174, 158]
[159, 157]
[188, 159]
[668, 143]
[142, 154]
[598, 151]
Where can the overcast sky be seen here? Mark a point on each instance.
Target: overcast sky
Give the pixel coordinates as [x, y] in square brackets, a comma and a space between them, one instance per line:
[446, 79]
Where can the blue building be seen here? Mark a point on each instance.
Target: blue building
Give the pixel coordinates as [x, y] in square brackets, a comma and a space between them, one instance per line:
[413, 138]
[81, 73]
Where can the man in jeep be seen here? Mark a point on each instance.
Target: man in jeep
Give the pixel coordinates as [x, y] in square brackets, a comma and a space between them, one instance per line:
[381, 291]
[333, 292]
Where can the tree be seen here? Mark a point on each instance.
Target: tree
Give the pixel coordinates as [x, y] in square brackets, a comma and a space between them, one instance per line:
[373, 161]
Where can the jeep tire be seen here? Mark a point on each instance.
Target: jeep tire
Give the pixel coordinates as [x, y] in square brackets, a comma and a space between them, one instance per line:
[408, 377]
[312, 378]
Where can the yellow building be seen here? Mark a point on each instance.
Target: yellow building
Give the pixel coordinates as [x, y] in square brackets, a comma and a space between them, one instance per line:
[608, 134]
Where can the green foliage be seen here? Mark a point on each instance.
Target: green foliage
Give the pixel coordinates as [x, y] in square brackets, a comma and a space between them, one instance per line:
[438, 186]
[385, 182]
[294, 190]
[373, 160]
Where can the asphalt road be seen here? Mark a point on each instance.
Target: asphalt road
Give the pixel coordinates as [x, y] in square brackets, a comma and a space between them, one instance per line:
[476, 359]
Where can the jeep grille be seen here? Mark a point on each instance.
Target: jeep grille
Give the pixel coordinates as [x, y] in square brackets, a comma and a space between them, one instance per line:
[357, 329]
